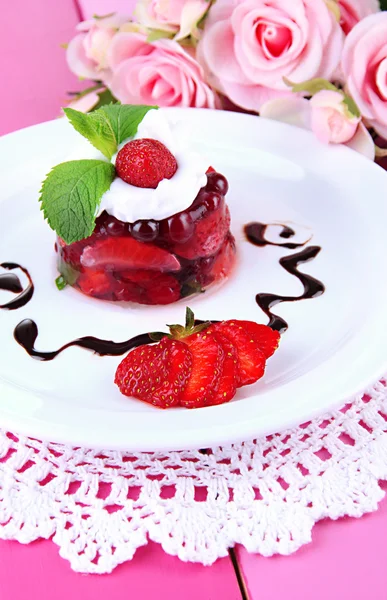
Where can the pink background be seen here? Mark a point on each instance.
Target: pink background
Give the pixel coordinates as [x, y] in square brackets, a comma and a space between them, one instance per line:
[346, 559]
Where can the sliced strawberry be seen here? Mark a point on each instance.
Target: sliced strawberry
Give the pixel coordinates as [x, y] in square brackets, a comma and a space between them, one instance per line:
[156, 374]
[127, 253]
[94, 283]
[251, 358]
[208, 237]
[207, 365]
[229, 377]
[267, 339]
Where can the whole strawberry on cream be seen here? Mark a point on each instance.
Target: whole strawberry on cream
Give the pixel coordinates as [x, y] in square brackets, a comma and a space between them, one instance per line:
[142, 217]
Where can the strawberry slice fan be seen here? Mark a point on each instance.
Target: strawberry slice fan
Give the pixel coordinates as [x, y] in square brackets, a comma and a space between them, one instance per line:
[197, 365]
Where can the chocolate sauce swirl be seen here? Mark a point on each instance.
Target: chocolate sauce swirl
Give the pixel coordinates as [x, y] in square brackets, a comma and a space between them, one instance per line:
[26, 333]
[255, 233]
[312, 287]
[10, 282]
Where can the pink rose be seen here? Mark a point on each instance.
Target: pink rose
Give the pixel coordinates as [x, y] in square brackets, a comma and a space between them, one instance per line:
[249, 46]
[87, 51]
[326, 115]
[331, 121]
[364, 64]
[85, 102]
[176, 16]
[353, 11]
[159, 73]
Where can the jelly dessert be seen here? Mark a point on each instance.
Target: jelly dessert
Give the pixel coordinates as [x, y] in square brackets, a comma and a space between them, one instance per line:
[161, 228]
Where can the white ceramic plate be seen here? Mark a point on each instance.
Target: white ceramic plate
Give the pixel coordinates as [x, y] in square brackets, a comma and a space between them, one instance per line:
[335, 346]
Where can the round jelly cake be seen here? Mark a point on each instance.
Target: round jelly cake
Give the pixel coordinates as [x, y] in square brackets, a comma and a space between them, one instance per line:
[161, 227]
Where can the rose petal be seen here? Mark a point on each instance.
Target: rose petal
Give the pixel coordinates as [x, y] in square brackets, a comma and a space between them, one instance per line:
[291, 110]
[362, 142]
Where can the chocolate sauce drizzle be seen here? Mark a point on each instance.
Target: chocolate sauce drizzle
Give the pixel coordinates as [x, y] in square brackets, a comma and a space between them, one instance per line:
[26, 332]
[10, 282]
[255, 233]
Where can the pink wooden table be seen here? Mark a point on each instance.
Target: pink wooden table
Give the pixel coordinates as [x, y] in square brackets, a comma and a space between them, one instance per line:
[346, 559]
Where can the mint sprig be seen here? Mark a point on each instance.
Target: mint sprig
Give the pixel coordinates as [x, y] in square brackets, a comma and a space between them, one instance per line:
[108, 126]
[70, 196]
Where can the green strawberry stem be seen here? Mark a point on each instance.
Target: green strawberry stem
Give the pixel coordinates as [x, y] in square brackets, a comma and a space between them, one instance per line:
[178, 332]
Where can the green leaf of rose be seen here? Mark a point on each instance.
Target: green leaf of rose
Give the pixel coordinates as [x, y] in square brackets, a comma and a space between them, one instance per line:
[312, 86]
[351, 106]
[70, 196]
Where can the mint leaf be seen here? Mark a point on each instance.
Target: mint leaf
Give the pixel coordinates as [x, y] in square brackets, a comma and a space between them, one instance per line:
[124, 119]
[108, 126]
[70, 196]
[96, 128]
[60, 283]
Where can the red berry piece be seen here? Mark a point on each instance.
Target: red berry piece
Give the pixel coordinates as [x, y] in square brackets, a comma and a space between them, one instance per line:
[267, 339]
[156, 374]
[145, 231]
[157, 288]
[207, 365]
[145, 162]
[251, 358]
[94, 283]
[218, 182]
[114, 227]
[164, 289]
[180, 227]
[210, 232]
[72, 253]
[127, 291]
[127, 253]
[229, 377]
[219, 266]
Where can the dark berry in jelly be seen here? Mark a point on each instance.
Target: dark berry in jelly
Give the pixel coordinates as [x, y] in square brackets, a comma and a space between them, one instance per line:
[114, 227]
[145, 231]
[217, 181]
[180, 227]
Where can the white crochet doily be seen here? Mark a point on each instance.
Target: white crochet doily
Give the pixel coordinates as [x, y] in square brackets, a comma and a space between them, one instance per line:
[99, 507]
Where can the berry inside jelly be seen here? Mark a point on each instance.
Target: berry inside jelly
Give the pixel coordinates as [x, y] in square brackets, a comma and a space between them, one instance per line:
[155, 262]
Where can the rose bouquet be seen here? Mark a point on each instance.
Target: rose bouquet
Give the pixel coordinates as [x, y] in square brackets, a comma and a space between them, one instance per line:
[318, 64]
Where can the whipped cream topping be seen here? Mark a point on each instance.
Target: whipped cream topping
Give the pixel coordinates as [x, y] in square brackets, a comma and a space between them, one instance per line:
[129, 203]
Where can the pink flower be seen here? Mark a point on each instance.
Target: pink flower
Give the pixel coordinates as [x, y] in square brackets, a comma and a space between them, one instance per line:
[364, 65]
[85, 102]
[331, 120]
[87, 51]
[159, 73]
[353, 11]
[249, 46]
[176, 16]
[327, 116]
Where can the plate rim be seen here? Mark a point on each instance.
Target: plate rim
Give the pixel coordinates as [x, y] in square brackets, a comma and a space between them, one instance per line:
[27, 425]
